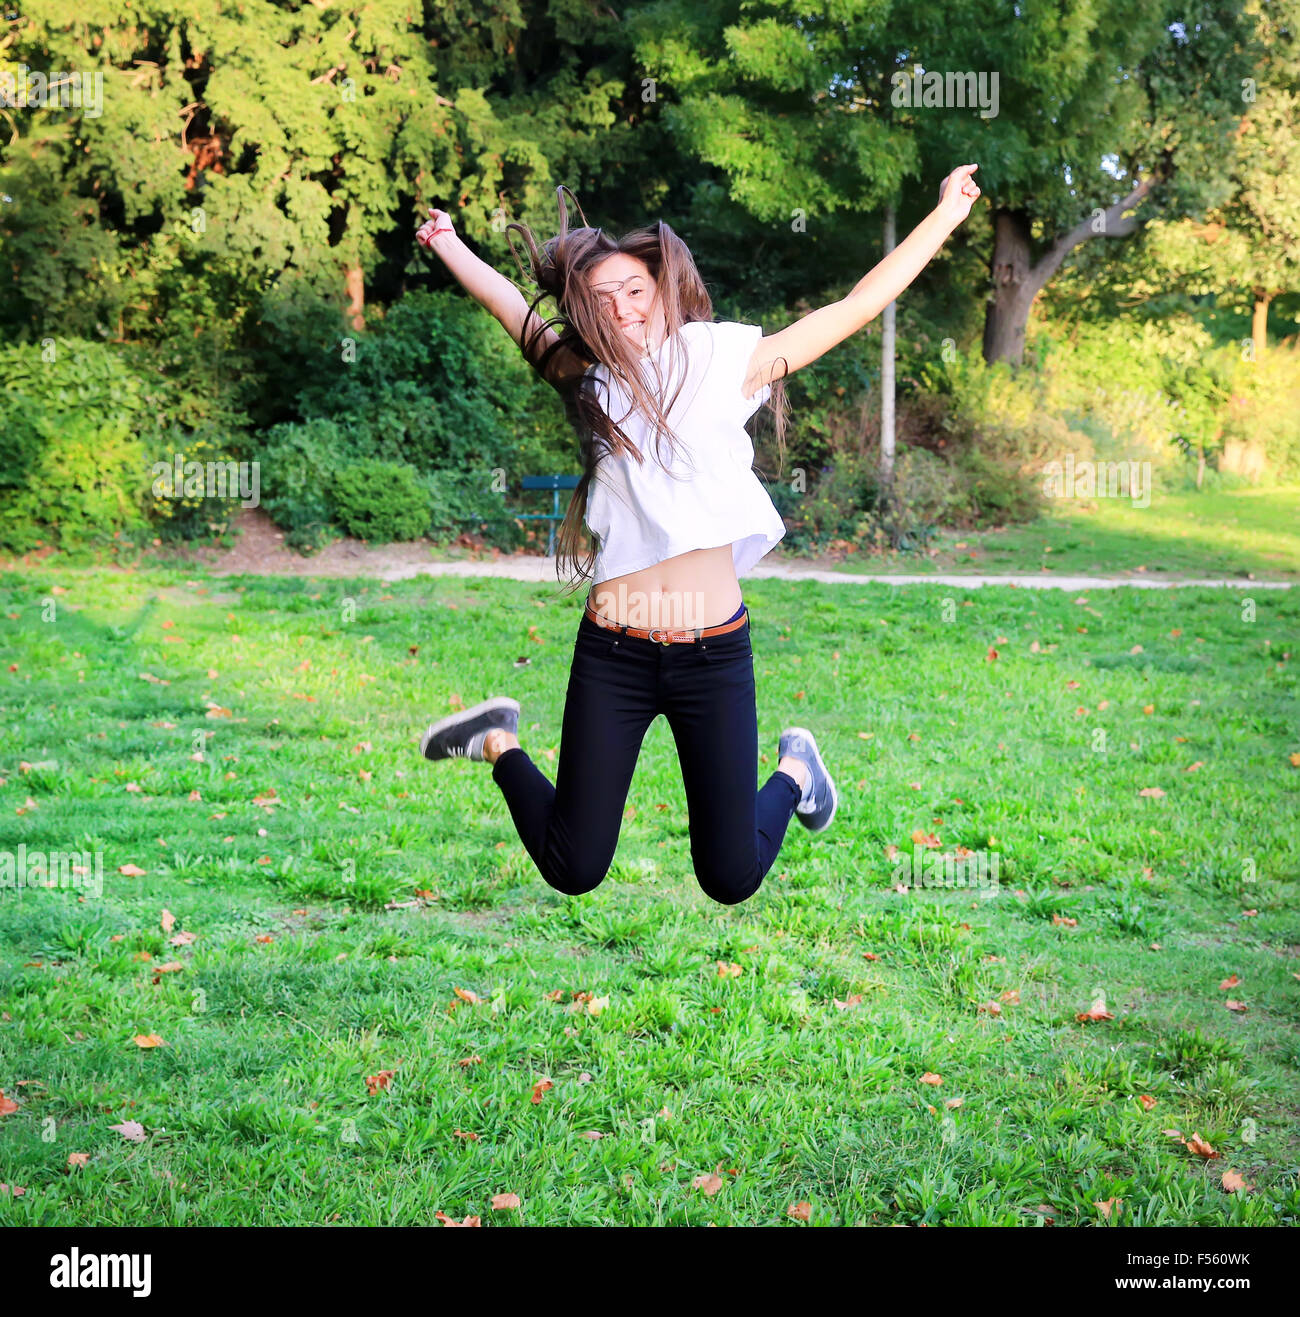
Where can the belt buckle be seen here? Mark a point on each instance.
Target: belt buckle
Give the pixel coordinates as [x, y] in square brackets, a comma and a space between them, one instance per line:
[663, 631]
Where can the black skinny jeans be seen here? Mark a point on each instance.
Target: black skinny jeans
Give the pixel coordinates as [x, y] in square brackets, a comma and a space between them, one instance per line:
[617, 686]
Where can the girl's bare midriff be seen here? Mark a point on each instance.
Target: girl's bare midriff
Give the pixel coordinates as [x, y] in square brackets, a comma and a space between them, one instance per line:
[694, 589]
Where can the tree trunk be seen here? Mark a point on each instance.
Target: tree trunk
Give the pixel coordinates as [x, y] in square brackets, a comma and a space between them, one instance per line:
[887, 347]
[1017, 277]
[354, 283]
[1259, 322]
[1013, 289]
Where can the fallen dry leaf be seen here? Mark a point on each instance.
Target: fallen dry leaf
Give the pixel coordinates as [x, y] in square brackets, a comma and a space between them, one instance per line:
[131, 1130]
[148, 1040]
[374, 1083]
[1199, 1146]
[1234, 1183]
[799, 1211]
[930, 1078]
[451, 1221]
[504, 1202]
[708, 1184]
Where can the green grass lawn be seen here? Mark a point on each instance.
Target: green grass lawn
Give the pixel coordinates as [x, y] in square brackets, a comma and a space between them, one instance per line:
[1237, 533]
[355, 910]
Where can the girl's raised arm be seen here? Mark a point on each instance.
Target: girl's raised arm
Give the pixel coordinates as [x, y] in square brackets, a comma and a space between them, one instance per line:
[492, 290]
[819, 331]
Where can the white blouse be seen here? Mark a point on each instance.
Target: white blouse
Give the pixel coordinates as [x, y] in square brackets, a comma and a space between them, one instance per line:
[710, 495]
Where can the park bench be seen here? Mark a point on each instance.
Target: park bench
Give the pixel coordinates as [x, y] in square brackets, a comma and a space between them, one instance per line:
[555, 515]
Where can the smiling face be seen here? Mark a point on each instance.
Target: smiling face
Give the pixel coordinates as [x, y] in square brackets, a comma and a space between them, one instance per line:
[627, 293]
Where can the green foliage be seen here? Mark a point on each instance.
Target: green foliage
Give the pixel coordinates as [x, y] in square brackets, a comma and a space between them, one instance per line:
[299, 462]
[72, 471]
[215, 265]
[440, 385]
[1263, 414]
[176, 512]
[381, 501]
[87, 483]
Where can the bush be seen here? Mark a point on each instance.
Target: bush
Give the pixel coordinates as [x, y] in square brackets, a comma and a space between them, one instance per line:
[439, 385]
[72, 471]
[989, 493]
[381, 501]
[88, 482]
[176, 514]
[299, 462]
[1261, 435]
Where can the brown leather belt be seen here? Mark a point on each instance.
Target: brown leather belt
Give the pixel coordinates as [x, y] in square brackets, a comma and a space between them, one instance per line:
[666, 635]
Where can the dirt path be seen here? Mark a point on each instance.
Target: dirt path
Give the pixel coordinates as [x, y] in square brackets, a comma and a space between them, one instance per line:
[259, 550]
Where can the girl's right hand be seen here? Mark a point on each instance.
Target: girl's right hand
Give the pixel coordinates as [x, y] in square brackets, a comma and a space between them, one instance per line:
[958, 193]
[435, 232]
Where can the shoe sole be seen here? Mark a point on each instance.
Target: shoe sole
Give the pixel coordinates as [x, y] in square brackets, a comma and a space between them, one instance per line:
[821, 763]
[485, 706]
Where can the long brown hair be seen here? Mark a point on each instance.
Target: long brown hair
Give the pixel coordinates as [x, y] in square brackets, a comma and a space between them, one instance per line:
[587, 332]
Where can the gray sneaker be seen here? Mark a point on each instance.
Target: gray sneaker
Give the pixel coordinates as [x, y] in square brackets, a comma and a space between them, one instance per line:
[461, 735]
[817, 806]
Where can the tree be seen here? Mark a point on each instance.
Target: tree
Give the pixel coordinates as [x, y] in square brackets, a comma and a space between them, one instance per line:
[1264, 211]
[295, 148]
[1077, 113]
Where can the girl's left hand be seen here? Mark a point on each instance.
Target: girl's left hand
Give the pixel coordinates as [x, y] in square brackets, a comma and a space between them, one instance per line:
[958, 193]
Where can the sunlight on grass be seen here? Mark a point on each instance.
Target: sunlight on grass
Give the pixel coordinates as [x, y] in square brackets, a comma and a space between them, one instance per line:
[1212, 534]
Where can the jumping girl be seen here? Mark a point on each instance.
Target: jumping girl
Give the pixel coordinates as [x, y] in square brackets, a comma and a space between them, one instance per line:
[659, 395]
